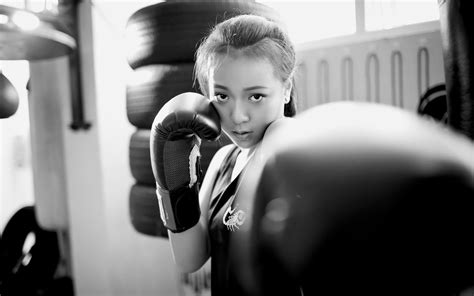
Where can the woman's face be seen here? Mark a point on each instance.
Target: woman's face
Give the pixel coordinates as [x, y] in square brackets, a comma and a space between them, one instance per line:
[248, 97]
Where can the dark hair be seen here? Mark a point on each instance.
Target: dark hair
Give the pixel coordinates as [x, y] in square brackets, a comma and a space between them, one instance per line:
[253, 36]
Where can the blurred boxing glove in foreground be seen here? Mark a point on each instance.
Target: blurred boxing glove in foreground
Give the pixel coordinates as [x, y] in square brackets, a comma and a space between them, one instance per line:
[358, 199]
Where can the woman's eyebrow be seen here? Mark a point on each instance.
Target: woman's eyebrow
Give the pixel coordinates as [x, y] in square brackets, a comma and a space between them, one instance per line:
[220, 86]
[250, 88]
[255, 87]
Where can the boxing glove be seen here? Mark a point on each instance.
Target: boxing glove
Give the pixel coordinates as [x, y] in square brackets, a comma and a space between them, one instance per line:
[357, 198]
[175, 140]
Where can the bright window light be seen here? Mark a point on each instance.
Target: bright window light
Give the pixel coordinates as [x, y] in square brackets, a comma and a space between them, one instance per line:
[312, 20]
[43, 6]
[35, 6]
[52, 6]
[13, 3]
[3, 19]
[386, 14]
[25, 20]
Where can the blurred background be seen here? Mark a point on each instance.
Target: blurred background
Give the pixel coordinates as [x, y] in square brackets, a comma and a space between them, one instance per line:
[385, 51]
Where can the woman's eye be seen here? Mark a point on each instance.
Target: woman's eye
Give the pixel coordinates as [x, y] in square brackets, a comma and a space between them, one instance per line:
[256, 98]
[220, 97]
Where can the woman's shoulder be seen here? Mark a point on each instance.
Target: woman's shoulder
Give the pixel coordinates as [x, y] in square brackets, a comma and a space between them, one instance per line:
[276, 125]
[222, 152]
[272, 134]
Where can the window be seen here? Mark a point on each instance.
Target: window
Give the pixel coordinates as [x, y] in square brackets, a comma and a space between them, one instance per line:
[311, 20]
[386, 14]
[318, 19]
[50, 6]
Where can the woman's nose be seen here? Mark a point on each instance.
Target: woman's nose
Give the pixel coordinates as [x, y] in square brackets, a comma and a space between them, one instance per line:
[239, 112]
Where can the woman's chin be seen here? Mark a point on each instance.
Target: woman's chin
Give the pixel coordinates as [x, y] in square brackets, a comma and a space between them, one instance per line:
[244, 144]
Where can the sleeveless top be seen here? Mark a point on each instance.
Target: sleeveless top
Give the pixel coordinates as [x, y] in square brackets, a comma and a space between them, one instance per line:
[225, 217]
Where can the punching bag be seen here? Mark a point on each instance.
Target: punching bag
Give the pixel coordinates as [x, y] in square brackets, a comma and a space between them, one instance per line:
[457, 34]
[8, 97]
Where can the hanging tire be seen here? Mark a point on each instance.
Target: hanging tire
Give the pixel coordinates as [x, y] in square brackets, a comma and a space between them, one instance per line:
[145, 212]
[23, 274]
[169, 32]
[150, 87]
[139, 155]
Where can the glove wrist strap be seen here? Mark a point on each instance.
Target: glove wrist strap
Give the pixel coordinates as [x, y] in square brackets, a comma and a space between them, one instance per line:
[179, 209]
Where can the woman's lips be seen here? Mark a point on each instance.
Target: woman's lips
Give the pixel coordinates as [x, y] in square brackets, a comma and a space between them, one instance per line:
[242, 135]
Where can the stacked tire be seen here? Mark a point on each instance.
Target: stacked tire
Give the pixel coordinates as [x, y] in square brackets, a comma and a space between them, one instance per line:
[162, 40]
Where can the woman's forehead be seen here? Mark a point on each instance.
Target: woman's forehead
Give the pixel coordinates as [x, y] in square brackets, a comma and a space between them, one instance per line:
[244, 63]
[244, 68]
[239, 53]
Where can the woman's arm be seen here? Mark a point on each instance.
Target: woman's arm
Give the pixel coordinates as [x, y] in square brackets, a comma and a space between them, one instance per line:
[191, 247]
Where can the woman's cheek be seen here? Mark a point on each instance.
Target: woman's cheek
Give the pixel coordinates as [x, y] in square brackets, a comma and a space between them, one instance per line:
[220, 111]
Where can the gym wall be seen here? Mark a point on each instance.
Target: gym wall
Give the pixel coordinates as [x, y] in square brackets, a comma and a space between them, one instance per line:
[136, 263]
[393, 67]
[83, 177]
[16, 178]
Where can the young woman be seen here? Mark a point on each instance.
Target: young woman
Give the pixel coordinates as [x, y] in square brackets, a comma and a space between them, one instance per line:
[245, 67]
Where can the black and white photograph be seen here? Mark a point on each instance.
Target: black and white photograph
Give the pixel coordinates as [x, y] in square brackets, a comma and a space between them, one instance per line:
[236, 147]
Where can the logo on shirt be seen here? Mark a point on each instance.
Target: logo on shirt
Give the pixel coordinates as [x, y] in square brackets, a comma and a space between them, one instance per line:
[233, 219]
